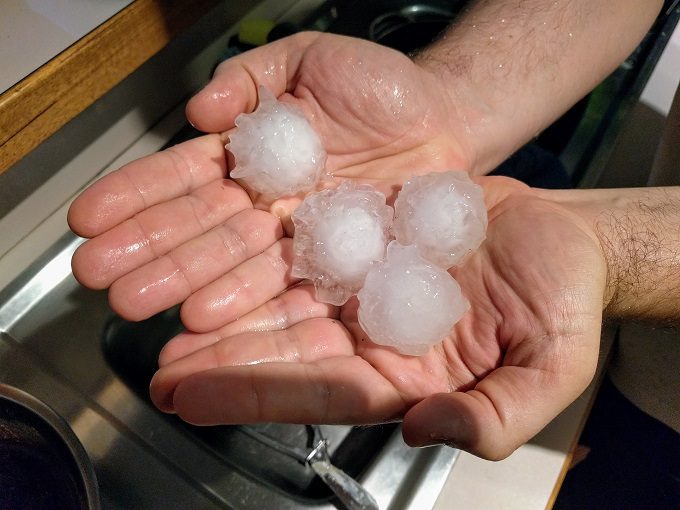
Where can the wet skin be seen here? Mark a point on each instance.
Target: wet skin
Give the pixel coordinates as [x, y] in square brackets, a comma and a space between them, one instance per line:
[173, 228]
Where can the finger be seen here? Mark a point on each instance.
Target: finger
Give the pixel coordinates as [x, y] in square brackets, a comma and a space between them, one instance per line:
[305, 342]
[173, 277]
[504, 410]
[145, 182]
[156, 231]
[344, 389]
[283, 209]
[242, 290]
[233, 89]
[290, 308]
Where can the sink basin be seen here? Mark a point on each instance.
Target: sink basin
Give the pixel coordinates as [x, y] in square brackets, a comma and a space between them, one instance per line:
[131, 349]
[63, 344]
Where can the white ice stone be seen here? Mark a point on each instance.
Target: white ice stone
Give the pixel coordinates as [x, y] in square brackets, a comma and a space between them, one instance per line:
[277, 152]
[338, 233]
[408, 303]
[443, 214]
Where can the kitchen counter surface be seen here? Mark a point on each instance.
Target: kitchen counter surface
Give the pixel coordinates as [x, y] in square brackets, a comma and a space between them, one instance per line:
[34, 31]
[54, 93]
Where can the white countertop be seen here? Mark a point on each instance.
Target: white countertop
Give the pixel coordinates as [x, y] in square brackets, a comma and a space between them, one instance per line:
[34, 31]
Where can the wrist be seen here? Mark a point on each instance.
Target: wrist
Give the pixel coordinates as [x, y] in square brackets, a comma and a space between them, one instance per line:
[511, 69]
[471, 115]
[592, 207]
[637, 232]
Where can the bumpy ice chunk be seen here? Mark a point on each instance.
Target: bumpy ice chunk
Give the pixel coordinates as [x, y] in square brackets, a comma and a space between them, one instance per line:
[409, 303]
[277, 152]
[338, 233]
[443, 214]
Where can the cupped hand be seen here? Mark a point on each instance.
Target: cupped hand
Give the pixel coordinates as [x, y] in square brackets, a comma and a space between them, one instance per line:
[171, 228]
[525, 350]
[381, 116]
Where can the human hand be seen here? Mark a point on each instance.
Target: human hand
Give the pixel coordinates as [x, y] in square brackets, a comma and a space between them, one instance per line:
[381, 116]
[525, 350]
[171, 229]
[161, 226]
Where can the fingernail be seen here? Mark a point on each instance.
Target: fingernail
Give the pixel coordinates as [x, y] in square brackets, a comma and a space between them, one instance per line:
[434, 439]
[449, 430]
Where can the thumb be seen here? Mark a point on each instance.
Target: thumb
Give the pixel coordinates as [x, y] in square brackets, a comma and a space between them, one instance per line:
[504, 410]
[283, 209]
[233, 88]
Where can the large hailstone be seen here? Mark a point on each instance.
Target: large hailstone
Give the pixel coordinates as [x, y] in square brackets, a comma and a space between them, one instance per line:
[443, 214]
[277, 152]
[408, 303]
[338, 233]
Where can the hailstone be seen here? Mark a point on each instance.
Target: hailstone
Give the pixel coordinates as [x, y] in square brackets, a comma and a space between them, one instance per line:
[338, 233]
[443, 214]
[276, 150]
[408, 303]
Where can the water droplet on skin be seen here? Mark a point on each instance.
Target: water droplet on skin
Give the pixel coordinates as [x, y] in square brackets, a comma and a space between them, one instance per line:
[270, 70]
[222, 94]
[135, 247]
[158, 283]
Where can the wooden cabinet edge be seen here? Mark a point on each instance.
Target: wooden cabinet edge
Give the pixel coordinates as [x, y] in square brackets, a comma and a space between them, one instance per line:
[48, 98]
[606, 349]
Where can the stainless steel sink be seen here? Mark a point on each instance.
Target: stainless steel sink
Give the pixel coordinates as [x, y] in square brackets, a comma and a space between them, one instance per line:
[63, 344]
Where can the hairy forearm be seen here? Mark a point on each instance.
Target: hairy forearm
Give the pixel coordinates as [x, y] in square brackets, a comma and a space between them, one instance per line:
[511, 67]
[639, 231]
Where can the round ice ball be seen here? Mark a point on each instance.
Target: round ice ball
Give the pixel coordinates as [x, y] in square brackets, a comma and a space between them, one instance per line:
[338, 233]
[276, 150]
[443, 214]
[408, 303]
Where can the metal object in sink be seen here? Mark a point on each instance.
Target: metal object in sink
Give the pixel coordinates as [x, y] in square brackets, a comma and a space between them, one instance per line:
[346, 488]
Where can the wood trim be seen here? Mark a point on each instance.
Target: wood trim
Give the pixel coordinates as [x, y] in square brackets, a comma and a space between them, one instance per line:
[44, 101]
[566, 465]
[606, 352]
